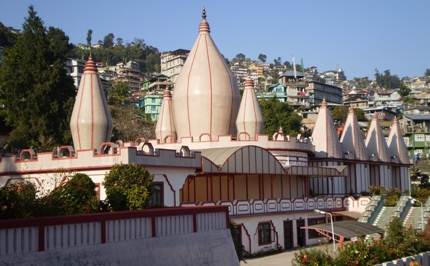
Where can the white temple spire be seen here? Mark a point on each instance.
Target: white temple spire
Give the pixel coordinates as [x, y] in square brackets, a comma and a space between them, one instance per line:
[249, 120]
[324, 135]
[352, 139]
[165, 129]
[396, 144]
[375, 141]
[91, 121]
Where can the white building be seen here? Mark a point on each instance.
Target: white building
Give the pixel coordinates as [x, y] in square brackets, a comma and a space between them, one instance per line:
[75, 68]
[172, 62]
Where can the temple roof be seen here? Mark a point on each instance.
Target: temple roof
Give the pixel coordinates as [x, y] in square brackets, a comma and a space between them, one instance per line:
[396, 144]
[91, 121]
[165, 129]
[249, 122]
[375, 142]
[352, 139]
[324, 136]
[205, 98]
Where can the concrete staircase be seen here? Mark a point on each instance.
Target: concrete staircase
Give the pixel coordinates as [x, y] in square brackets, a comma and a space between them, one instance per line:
[388, 213]
[413, 218]
[372, 210]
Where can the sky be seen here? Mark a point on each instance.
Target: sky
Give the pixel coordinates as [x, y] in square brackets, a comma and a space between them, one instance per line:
[358, 36]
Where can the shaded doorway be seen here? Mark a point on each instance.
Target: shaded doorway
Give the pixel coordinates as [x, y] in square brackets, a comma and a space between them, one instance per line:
[301, 234]
[288, 235]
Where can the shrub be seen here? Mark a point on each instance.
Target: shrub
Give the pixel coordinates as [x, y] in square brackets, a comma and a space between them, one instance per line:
[313, 257]
[392, 196]
[376, 190]
[17, 200]
[77, 196]
[128, 187]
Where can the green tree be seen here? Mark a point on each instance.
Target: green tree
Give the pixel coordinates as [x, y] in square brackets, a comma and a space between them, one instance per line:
[118, 94]
[35, 91]
[262, 58]
[427, 72]
[89, 37]
[76, 196]
[17, 200]
[340, 113]
[108, 40]
[128, 187]
[404, 90]
[7, 36]
[279, 114]
[386, 80]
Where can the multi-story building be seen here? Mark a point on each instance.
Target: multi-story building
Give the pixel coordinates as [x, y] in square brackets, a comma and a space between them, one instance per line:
[157, 83]
[75, 68]
[295, 85]
[151, 104]
[318, 91]
[417, 134]
[172, 63]
[240, 72]
[210, 150]
[130, 74]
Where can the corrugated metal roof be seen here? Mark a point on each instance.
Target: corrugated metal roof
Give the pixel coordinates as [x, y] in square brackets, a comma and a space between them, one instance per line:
[418, 116]
[219, 155]
[348, 229]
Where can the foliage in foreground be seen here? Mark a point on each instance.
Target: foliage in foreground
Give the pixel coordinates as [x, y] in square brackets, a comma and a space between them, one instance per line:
[77, 196]
[399, 242]
[128, 187]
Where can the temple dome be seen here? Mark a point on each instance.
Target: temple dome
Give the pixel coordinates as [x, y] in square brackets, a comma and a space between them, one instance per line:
[352, 139]
[91, 121]
[249, 120]
[165, 128]
[375, 142]
[324, 135]
[205, 98]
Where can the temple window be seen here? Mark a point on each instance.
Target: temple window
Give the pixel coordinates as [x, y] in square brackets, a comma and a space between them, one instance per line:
[264, 233]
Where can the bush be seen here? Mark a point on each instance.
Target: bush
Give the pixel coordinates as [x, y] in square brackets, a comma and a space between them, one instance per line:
[376, 190]
[128, 187]
[392, 196]
[17, 200]
[313, 257]
[77, 196]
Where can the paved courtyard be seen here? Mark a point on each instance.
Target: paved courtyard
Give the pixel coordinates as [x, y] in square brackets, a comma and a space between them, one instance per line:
[280, 259]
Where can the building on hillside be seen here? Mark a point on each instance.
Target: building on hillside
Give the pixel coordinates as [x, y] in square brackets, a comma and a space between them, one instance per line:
[417, 134]
[333, 77]
[386, 98]
[318, 91]
[277, 91]
[172, 63]
[210, 149]
[240, 72]
[75, 68]
[151, 104]
[130, 74]
[157, 83]
[295, 85]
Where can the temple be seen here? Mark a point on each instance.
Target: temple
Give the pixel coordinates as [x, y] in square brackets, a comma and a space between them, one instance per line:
[210, 150]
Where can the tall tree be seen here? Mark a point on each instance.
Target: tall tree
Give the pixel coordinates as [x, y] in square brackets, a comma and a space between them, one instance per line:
[108, 40]
[386, 80]
[262, 58]
[35, 91]
[89, 37]
[279, 114]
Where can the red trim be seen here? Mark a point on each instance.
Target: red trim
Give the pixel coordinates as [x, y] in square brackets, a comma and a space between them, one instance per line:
[210, 88]
[103, 231]
[98, 217]
[41, 237]
[92, 112]
[79, 111]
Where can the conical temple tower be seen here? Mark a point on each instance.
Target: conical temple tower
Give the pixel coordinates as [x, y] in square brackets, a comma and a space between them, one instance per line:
[205, 98]
[165, 129]
[249, 122]
[91, 121]
[375, 142]
[351, 139]
[324, 136]
[396, 144]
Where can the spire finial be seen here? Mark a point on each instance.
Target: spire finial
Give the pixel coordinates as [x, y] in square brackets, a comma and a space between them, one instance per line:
[204, 13]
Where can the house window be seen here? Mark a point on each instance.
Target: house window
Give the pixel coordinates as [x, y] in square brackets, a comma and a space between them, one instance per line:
[419, 137]
[264, 233]
[314, 221]
[157, 195]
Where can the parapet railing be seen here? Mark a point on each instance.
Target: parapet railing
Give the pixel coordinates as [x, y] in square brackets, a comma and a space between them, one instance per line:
[20, 236]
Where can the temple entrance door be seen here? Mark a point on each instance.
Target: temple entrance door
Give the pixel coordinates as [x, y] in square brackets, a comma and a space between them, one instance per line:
[301, 235]
[236, 233]
[288, 235]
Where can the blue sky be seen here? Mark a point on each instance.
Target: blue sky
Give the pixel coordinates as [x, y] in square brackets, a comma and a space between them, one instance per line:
[358, 36]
